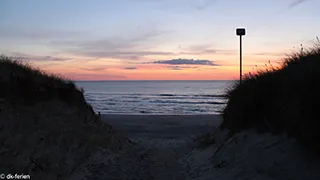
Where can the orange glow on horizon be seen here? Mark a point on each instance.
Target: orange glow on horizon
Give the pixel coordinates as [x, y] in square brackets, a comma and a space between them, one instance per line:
[106, 69]
[224, 73]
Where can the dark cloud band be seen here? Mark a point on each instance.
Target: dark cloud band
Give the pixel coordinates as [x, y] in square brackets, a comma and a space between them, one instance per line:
[186, 62]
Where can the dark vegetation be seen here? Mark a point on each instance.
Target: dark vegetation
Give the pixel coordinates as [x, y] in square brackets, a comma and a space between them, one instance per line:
[21, 82]
[279, 100]
[46, 127]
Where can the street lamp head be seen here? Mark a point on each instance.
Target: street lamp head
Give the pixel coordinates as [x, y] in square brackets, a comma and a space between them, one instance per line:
[241, 31]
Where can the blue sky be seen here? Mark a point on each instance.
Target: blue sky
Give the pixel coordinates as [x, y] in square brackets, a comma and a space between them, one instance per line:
[64, 34]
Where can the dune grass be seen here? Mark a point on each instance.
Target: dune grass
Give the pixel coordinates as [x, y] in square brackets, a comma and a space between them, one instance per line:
[22, 82]
[279, 100]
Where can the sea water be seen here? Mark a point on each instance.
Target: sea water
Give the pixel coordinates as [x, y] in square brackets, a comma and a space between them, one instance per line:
[156, 97]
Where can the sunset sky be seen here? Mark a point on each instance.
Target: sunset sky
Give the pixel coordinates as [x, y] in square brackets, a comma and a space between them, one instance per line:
[154, 39]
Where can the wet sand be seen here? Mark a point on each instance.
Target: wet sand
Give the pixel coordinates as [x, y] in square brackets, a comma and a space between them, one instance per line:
[162, 127]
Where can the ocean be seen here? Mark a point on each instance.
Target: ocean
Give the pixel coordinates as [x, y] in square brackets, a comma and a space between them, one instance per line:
[156, 97]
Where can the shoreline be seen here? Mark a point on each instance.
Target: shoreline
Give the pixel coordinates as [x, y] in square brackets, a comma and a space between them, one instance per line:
[210, 119]
[119, 114]
[162, 127]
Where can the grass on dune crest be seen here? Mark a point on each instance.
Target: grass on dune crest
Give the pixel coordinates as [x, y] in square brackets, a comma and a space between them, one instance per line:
[279, 100]
[21, 81]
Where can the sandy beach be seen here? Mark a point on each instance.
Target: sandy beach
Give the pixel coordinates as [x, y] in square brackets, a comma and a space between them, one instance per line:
[159, 142]
[162, 127]
[163, 148]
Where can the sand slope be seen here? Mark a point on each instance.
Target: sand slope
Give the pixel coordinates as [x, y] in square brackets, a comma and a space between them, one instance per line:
[252, 156]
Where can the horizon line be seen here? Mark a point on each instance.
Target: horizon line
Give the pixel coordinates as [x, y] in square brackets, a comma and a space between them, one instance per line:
[153, 80]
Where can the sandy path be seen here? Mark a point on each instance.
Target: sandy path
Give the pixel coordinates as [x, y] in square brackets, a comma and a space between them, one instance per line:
[160, 141]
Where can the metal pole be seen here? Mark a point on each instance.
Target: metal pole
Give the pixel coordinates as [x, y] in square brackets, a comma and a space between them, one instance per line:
[240, 59]
[240, 32]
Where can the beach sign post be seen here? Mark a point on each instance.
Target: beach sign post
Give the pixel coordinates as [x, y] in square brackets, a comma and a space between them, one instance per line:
[241, 32]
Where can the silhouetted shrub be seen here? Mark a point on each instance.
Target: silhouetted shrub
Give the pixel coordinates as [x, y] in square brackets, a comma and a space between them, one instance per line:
[279, 100]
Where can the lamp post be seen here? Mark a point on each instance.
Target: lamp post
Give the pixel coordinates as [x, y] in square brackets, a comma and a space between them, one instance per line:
[241, 32]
